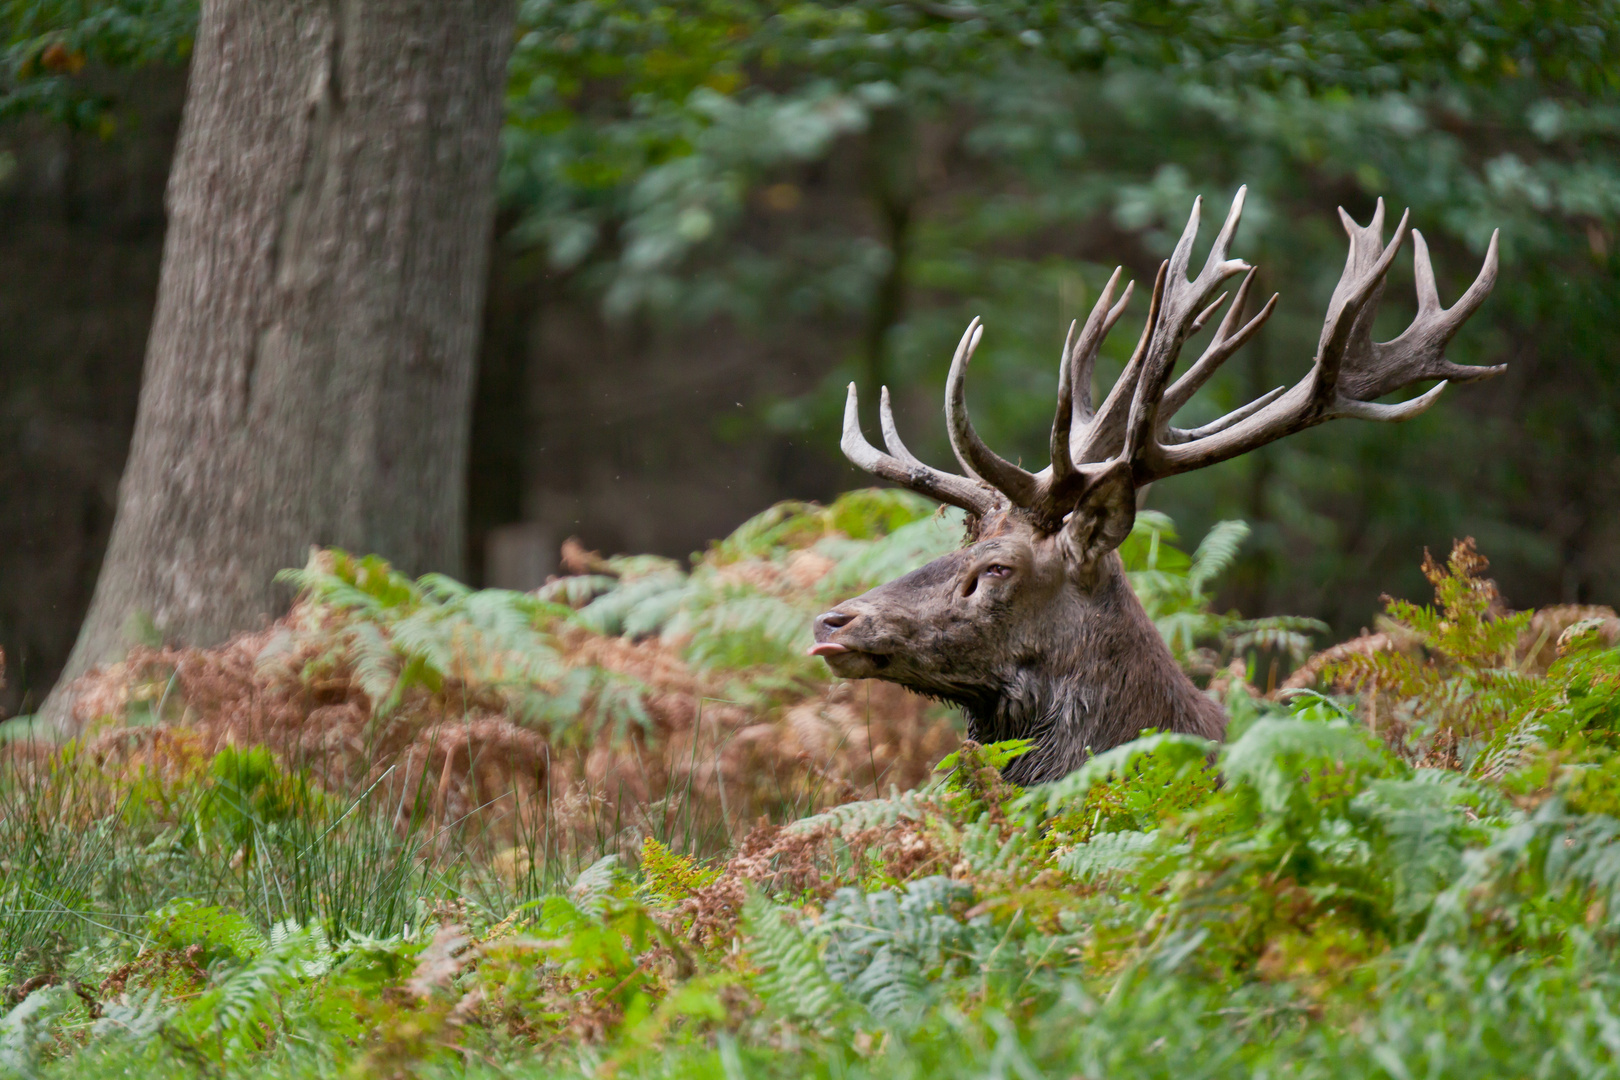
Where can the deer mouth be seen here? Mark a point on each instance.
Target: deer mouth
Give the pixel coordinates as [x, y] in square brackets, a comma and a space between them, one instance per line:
[849, 662]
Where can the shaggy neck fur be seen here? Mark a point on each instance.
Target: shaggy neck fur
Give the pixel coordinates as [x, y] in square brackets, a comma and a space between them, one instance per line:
[1110, 677]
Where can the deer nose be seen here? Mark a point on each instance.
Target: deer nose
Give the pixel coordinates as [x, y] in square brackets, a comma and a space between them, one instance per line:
[826, 623]
[834, 620]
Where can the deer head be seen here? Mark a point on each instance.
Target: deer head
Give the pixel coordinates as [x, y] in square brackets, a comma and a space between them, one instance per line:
[1032, 626]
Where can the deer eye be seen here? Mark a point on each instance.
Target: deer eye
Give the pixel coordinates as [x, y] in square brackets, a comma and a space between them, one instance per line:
[996, 570]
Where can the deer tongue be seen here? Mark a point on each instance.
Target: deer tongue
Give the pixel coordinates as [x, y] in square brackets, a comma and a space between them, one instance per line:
[827, 648]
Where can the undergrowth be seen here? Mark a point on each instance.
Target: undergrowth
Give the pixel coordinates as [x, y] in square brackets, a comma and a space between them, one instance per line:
[1407, 865]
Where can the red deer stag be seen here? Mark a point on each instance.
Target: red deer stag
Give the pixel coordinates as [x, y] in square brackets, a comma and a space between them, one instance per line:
[1032, 627]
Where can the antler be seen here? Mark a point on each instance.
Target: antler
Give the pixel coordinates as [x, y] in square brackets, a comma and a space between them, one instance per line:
[902, 467]
[1132, 426]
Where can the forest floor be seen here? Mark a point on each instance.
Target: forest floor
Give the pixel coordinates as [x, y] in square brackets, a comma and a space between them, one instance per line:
[623, 826]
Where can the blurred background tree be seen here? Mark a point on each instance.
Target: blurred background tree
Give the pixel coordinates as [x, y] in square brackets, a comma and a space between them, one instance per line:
[309, 374]
[717, 212]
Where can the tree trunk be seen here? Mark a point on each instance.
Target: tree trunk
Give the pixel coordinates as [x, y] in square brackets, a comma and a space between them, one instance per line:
[309, 374]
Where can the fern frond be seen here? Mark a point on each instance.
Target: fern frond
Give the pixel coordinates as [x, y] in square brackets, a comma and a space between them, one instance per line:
[577, 590]
[1216, 552]
[241, 1012]
[1106, 856]
[862, 565]
[1276, 756]
[598, 883]
[27, 1030]
[791, 979]
[1173, 748]
[865, 814]
[670, 878]
[608, 613]
[885, 947]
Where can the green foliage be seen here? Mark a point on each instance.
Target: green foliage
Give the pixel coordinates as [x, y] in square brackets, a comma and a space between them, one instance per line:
[972, 784]
[1176, 591]
[218, 932]
[46, 44]
[677, 162]
[1460, 692]
[1304, 900]
[1131, 786]
[670, 878]
[791, 978]
[888, 949]
[242, 1011]
[866, 813]
[129, 862]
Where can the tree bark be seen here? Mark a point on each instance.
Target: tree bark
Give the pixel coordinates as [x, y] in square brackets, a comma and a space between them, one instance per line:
[309, 373]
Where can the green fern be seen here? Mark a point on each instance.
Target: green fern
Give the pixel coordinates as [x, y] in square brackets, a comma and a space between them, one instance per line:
[1107, 856]
[865, 814]
[790, 977]
[223, 933]
[28, 1030]
[1157, 764]
[887, 948]
[670, 878]
[865, 563]
[1175, 590]
[241, 1014]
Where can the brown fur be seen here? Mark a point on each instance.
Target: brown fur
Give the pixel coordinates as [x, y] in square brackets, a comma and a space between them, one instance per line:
[1054, 648]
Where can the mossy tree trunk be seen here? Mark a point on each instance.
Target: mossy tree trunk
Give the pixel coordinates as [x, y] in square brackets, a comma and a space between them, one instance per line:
[309, 374]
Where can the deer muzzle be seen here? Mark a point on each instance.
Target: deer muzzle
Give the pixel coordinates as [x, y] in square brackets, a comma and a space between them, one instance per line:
[848, 660]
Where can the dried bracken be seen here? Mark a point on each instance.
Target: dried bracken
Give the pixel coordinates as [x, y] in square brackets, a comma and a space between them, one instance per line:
[463, 757]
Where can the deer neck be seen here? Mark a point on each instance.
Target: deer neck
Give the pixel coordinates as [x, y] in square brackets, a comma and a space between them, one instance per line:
[1110, 678]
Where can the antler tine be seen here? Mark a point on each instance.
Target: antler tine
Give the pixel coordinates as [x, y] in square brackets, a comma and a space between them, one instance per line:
[1355, 300]
[1217, 267]
[1475, 294]
[1081, 357]
[891, 434]
[1243, 412]
[905, 469]
[1417, 354]
[1428, 293]
[1181, 257]
[1083, 360]
[1101, 439]
[958, 373]
[1221, 347]
[1203, 316]
[1394, 413]
[1223, 239]
[1183, 304]
[1062, 465]
[1074, 387]
[976, 458]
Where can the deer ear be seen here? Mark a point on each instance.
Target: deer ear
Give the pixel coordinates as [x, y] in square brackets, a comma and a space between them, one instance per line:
[1103, 519]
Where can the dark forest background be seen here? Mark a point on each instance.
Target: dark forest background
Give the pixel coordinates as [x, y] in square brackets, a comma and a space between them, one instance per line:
[714, 215]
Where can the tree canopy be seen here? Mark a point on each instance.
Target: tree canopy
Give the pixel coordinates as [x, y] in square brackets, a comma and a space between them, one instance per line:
[669, 160]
